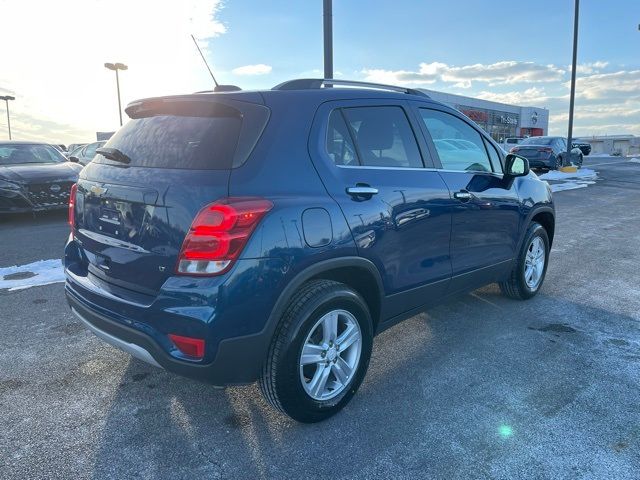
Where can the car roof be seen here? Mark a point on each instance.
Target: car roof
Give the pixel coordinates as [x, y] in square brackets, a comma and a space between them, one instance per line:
[307, 90]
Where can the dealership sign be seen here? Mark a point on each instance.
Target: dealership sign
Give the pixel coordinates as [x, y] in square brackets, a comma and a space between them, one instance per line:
[508, 120]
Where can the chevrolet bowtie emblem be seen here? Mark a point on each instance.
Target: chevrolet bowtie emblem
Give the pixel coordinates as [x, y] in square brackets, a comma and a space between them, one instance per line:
[98, 190]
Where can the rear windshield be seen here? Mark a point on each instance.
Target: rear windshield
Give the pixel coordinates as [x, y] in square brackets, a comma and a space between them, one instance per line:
[167, 141]
[537, 141]
[20, 154]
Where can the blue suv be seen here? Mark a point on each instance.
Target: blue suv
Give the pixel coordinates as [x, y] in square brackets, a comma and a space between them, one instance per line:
[270, 235]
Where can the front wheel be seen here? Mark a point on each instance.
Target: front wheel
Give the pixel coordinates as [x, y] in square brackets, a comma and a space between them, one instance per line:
[530, 267]
[320, 352]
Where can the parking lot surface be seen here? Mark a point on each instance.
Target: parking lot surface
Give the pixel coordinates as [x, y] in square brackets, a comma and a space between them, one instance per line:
[481, 387]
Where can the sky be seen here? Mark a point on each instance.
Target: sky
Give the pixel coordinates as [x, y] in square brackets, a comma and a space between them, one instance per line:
[52, 54]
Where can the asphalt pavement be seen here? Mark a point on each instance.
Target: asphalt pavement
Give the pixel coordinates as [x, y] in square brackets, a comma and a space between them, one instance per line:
[481, 387]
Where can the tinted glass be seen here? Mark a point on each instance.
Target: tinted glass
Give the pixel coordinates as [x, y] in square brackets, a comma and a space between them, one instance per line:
[537, 141]
[384, 137]
[168, 141]
[339, 144]
[494, 156]
[459, 146]
[15, 154]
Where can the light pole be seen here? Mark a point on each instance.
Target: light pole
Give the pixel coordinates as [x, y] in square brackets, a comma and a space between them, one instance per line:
[116, 67]
[6, 99]
[327, 23]
[572, 97]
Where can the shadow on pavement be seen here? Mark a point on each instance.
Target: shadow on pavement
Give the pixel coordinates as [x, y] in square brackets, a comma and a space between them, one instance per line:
[482, 386]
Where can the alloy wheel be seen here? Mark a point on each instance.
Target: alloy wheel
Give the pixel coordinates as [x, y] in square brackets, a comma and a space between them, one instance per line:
[330, 355]
[534, 263]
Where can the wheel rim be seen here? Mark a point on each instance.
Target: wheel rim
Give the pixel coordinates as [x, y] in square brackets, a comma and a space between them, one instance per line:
[534, 263]
[330, 355]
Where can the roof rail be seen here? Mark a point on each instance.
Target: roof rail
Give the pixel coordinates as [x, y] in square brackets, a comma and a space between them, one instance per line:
[314, 83]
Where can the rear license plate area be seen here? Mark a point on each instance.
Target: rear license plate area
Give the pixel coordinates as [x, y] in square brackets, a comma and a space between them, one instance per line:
[110, 222]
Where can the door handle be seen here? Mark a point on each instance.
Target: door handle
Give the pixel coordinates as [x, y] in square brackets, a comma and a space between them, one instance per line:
[362, 191]
[463, 196]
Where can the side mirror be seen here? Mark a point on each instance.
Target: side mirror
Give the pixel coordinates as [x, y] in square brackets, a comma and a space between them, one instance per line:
[74, 159]
[515, 165]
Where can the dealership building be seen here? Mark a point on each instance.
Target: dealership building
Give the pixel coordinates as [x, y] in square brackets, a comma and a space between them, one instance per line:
[499, 120]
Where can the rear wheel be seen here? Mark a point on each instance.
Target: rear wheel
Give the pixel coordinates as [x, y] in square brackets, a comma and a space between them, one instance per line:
[580, 160]
[530, 268]
[559, 162]
[320, 352]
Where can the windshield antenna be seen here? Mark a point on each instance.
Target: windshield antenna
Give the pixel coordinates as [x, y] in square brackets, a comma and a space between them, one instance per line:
[204, 59]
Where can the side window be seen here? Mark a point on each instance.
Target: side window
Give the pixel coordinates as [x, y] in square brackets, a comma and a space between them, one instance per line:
[493, 155]
[460, 146]
[339, 143]
[383, 136]
[91, 150]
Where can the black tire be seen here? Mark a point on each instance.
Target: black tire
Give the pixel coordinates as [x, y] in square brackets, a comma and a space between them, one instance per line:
[559, 162]
[516, 286]
[280, 381]
[580, 160]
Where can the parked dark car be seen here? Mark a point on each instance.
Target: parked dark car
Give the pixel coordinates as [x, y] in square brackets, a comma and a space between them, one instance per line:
[34, 177]
[86, 153]
[547, 152]
[584, 147]
[242, 236]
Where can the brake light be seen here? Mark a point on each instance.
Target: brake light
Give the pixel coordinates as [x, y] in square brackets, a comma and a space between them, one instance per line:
[545, 150]
[218, 234]
[194, 347]
[72, 204]
[513, 150]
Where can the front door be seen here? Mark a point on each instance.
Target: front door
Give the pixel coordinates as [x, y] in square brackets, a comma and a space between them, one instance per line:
[485, 221]
[372, 164]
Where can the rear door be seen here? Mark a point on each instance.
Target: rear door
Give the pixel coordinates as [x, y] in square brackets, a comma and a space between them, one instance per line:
[131, 218]
[485, 221]
[372, 164]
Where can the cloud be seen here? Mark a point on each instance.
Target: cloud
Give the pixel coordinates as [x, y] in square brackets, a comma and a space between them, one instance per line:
[258, 69]
[533, 96]
[55, 67]
[499, 73]
[606, 101]
[620, 84]
[593, 67]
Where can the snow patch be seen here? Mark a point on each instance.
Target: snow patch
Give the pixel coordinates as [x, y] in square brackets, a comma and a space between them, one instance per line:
[560, 181]
[583, 173]
[42, 272]
[634, 160]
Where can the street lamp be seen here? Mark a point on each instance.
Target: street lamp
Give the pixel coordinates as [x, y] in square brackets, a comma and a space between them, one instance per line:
[6, 99]
[116, 67]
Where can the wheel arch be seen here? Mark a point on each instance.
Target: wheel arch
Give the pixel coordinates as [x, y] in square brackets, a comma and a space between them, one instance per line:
[356, 272]
[545, 216]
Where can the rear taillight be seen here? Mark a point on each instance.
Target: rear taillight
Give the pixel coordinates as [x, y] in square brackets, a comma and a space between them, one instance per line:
[513, 150]
[194, 347]
[218, 234]
[72, 204]
[545, 150]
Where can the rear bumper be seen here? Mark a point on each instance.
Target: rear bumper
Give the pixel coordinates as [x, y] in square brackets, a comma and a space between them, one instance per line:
[238, 360]
[551, 162]
[237, 332]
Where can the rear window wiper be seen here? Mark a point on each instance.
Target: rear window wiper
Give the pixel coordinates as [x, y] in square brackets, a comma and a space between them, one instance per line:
[113, 154]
